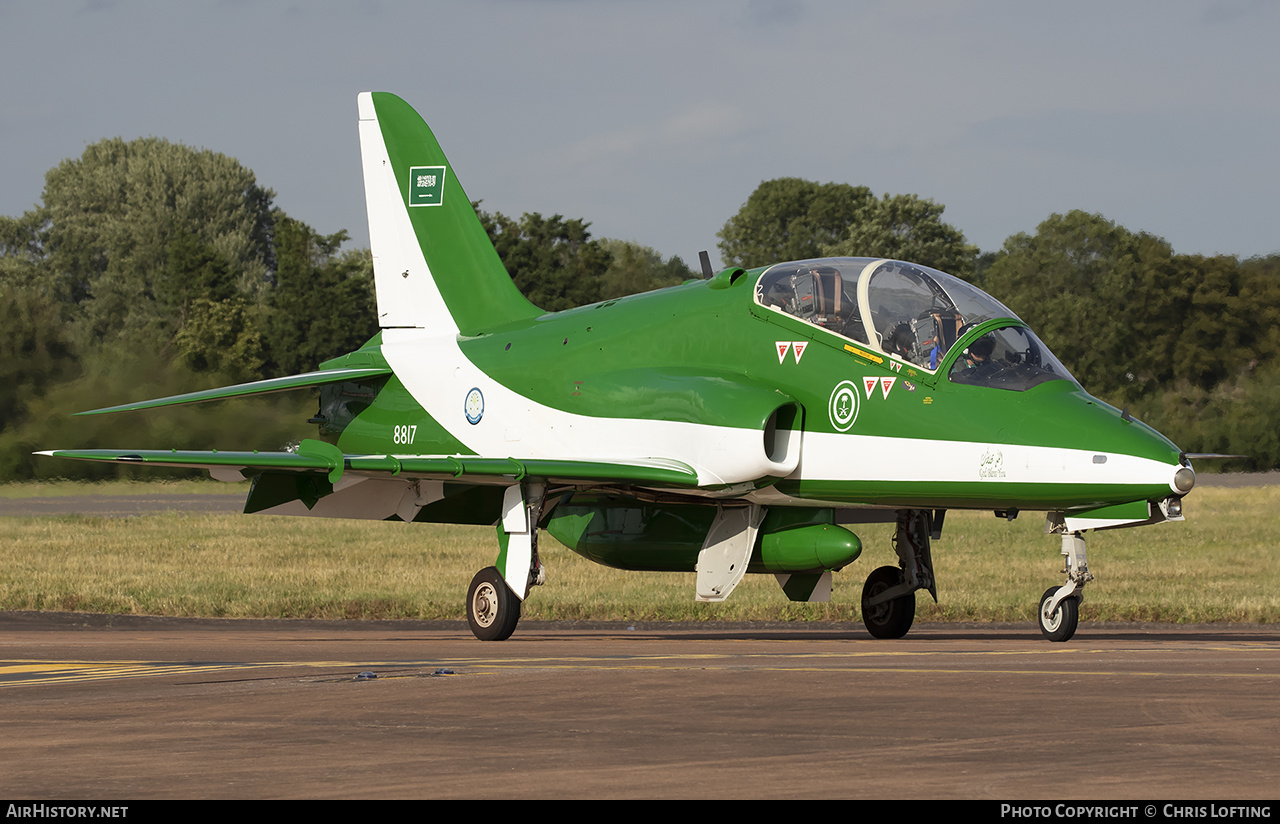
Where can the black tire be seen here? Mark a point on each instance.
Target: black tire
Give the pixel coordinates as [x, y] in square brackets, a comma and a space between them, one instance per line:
[893, 618]
[1062, 624]
[493, 610]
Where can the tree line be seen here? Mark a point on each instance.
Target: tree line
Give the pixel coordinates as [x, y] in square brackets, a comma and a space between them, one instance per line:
[151, 268]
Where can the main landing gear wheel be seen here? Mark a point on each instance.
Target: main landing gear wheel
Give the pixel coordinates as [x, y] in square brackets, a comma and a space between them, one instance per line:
[493, 610]
[1061, 625]
[894, 617]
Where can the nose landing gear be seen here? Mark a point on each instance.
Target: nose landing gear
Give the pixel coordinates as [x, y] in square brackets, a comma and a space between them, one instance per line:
[1059, 611]
[1058, 623]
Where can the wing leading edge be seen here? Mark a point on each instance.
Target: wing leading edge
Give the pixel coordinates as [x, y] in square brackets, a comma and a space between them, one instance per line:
[318, 456]
[241, 390]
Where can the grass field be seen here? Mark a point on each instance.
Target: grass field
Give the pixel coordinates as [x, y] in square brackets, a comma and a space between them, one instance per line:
[1219, 565]
[61, 489]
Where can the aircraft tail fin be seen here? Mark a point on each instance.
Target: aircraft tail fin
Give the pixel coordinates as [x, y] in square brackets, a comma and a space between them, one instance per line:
[434, 266]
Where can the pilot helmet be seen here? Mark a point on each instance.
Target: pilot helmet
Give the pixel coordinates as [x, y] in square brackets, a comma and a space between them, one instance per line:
[982, 347]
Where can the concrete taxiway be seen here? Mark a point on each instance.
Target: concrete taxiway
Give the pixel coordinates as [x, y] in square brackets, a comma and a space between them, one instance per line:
[106, 707]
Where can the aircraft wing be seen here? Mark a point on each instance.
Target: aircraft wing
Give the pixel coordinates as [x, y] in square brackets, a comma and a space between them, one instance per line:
[319, 378]
[318, 456]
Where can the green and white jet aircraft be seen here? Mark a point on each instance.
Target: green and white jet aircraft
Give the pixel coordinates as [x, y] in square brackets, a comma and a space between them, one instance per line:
[738, 423]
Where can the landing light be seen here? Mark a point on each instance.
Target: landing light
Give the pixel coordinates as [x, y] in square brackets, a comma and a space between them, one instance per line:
[1184, 479]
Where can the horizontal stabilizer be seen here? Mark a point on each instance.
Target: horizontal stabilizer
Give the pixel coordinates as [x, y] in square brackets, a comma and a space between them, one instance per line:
[225, 466]
[241, 390]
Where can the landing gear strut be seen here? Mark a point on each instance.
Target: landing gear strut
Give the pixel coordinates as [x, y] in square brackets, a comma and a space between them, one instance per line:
[495, 594]
[889, 596]
[1059, 611]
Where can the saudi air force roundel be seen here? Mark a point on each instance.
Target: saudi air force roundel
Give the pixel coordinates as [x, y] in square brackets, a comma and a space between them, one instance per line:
[843, 406]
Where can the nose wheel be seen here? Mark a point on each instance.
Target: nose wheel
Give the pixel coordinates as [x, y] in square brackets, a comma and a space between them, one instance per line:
[1058, 623]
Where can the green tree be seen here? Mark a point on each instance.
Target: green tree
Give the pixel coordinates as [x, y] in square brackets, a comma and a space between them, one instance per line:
[322, 302]
[221, 336]
[791, 219]
[193, 271]
[114, 214]
[1215, 338]
[118, 374]
[1260, 297]
[1126, 314]
[1075, 281]
[907, 227]
[981, 264]
[35, 350]
[634, 268]
[147, 265]
[553, 261]
[23, 261]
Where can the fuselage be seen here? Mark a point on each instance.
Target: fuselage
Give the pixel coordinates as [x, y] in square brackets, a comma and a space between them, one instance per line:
[852, 408]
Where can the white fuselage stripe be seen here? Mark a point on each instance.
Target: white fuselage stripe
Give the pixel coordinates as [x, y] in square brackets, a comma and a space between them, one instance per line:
[854, 457]
[440, 377]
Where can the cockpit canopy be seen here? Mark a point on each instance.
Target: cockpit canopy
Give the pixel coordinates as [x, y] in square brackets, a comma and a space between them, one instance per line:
[914, 314]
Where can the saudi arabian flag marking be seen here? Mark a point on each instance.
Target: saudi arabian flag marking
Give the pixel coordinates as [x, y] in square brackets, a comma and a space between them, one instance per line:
[426, 185]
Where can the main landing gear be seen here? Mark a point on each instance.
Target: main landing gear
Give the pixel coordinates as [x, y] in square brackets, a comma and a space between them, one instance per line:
[493, 610]
[495, 594]
[889, 596]
[884, 614]
[1059, 611]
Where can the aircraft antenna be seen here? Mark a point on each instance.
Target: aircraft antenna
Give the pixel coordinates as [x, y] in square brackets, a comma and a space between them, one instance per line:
[706, 265]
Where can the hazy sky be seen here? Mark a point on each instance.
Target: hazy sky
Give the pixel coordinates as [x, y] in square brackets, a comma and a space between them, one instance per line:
[655, 120]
